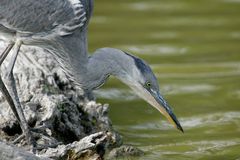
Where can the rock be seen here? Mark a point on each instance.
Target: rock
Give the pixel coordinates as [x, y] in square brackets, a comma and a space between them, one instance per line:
[124, 151]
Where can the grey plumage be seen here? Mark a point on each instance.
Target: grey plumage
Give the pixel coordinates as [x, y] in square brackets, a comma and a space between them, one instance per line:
[43, 16]
[60, 27]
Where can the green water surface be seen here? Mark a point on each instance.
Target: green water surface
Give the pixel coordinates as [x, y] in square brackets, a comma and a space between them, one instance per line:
[193, 47]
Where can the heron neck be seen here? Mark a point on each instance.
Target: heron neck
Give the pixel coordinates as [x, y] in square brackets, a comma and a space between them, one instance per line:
[106, 62]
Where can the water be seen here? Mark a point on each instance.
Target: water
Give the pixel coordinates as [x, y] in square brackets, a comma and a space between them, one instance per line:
[194, 49]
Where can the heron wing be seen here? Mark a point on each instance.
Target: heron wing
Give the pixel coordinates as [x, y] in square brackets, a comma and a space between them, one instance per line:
[64, 20]
[62, 17]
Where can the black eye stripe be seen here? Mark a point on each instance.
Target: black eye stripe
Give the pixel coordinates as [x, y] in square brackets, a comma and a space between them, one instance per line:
[140, 64]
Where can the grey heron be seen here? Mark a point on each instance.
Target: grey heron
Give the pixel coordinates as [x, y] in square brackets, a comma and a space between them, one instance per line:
[60, 27]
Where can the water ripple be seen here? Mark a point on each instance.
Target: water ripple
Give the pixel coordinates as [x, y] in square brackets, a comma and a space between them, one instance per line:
[199, 147]
[186, 89]
[174, 89]
[157, 49]
[116, 94]
[213, 119]
[143, 6]
[200, 75]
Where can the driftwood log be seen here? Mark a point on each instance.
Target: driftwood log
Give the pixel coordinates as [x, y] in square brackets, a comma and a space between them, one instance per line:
[80, 127]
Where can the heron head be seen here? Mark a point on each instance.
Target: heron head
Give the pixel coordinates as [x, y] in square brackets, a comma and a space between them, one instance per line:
[143, 81]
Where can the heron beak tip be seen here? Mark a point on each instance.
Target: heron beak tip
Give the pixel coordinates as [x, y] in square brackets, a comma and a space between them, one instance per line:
[181, 129]
[166, 110]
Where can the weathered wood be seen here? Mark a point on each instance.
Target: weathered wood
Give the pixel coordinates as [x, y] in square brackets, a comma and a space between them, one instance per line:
[87, 148]
[50, 101]
[53, 104]
[10, 152]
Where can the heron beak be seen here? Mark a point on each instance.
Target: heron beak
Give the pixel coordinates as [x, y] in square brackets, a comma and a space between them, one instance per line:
[162, 105]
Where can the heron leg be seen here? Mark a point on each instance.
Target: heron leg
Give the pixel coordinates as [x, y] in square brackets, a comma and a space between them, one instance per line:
[5, 52]
[10, 93]
[2, 85]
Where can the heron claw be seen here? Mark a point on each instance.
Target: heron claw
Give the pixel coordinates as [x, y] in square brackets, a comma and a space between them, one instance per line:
[37, 140]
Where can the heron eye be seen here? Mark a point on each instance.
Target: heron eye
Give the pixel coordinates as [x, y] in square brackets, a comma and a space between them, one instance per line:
[148, 84]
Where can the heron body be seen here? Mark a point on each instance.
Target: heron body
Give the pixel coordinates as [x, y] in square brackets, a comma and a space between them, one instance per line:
[60, 27]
